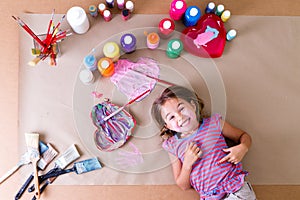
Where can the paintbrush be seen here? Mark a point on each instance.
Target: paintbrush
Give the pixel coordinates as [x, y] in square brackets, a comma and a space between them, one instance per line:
[46, 158]
[128, 103]
[78, 167]
[32, 142]
[154, 78]
[70, 155]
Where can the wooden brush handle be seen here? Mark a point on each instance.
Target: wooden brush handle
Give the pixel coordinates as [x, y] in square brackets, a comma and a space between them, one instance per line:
[36, 178]
[9, 173]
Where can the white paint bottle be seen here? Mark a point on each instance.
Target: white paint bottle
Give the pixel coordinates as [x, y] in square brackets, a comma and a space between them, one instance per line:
[78, 20]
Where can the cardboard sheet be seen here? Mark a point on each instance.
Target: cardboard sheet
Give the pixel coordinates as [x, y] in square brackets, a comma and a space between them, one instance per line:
[55, 103]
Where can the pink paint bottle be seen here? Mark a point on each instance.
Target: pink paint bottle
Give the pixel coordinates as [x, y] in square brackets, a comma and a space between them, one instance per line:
[107, 15]
[166, 27]
[177, 9]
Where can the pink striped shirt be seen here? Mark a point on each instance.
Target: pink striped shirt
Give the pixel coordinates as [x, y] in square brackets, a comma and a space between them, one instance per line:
[209, 178]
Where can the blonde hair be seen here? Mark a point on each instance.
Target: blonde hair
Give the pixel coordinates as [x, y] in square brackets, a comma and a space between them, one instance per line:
[177, 92]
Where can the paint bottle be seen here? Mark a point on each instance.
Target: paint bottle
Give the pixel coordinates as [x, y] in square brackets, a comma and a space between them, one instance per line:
[153, 40]
[125, 14]
[177, 9]
[175, 47]
[78, 20]
[166, 27]
[107, 16]
[219, 10]
[130, 6]
[231, 34]
[121, 4]
[210, 8]
[225, 15]
[93, 10]
[112, 51]
[128, 43]
[101, 8]
[106, 67]
[86, 77]
[110, 3]
[191, 16]
[90, 62]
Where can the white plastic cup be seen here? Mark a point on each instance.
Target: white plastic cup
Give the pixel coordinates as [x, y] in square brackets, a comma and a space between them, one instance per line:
[78, 20]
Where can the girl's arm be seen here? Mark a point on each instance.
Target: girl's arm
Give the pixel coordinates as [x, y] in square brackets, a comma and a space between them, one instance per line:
[183, 170]
[235, 153]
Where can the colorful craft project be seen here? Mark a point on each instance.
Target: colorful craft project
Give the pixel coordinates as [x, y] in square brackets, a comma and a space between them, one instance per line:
[207, 38]
[114, 132]
[132, 78]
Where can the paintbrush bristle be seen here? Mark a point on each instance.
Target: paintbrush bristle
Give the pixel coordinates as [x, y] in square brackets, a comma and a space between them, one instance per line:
[32, 140]
[68, 156]
[47, 157]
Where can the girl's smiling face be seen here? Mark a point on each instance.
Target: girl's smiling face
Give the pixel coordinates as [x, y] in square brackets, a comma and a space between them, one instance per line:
[180, 115]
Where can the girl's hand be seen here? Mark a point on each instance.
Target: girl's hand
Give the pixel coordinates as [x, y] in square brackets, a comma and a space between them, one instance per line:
[192, 154]
[235, 154]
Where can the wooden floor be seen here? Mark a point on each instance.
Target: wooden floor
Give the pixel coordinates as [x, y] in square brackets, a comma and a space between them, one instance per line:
[9, 99]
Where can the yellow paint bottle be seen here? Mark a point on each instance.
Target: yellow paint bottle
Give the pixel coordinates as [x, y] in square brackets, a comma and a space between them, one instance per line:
[111, 50]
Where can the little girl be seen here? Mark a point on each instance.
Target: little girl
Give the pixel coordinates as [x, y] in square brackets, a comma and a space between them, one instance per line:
[202, 158]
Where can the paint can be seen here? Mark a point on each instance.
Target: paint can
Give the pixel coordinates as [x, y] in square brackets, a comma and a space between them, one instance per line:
[210, 8]
[121, 4]
[86, 77]
[231, 34]
[130, 6]
[93, 10]
[90, 62]
[175, 47]
[106, 67]
[177, 9]
[107, 16]
[110, 3]
[191, 16]
[125, 14]
[153, 40]
[128, 43]
[78, 20]
[112, 51]
[101, 8]
[219, 10]
[225, 15]
[166, 27]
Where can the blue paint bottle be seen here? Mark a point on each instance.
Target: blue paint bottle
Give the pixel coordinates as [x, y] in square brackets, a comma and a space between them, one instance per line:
[191, 16]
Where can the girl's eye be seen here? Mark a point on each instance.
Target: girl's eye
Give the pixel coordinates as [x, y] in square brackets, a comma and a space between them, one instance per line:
[181, 108]
[171, 118]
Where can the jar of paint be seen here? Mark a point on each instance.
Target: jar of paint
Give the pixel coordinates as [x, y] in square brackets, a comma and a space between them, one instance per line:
[106, 67]
[78, 20]
[107, 16]
[166, 27]
[93, 10]
[128, 43]
[125, 14]
[153, 40]
[225, 15]
[210, 8]
[112, 51]
[175, 47]
[101, 8]
[219, 10]
[86, 77]
[121, 4]
[191, 16]
[129, 5]
[110, 3]
[90, 62]
[231, 34]
[177, 9]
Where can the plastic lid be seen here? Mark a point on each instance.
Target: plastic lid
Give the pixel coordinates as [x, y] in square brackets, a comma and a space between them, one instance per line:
[92, 8]
[106, 13]
[129, 5]
[153, 38]
[179, 5]
[176, 45]
[211, 5]
[102, 6]
[86, 76]
[226, 13]
[193, 12]
[167, 24]
[220, 7]
[127, 39]
[105, 64]
[232, 33]
[90, 60]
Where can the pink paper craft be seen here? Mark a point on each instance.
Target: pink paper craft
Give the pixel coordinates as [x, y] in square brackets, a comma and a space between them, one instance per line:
[131, 77]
